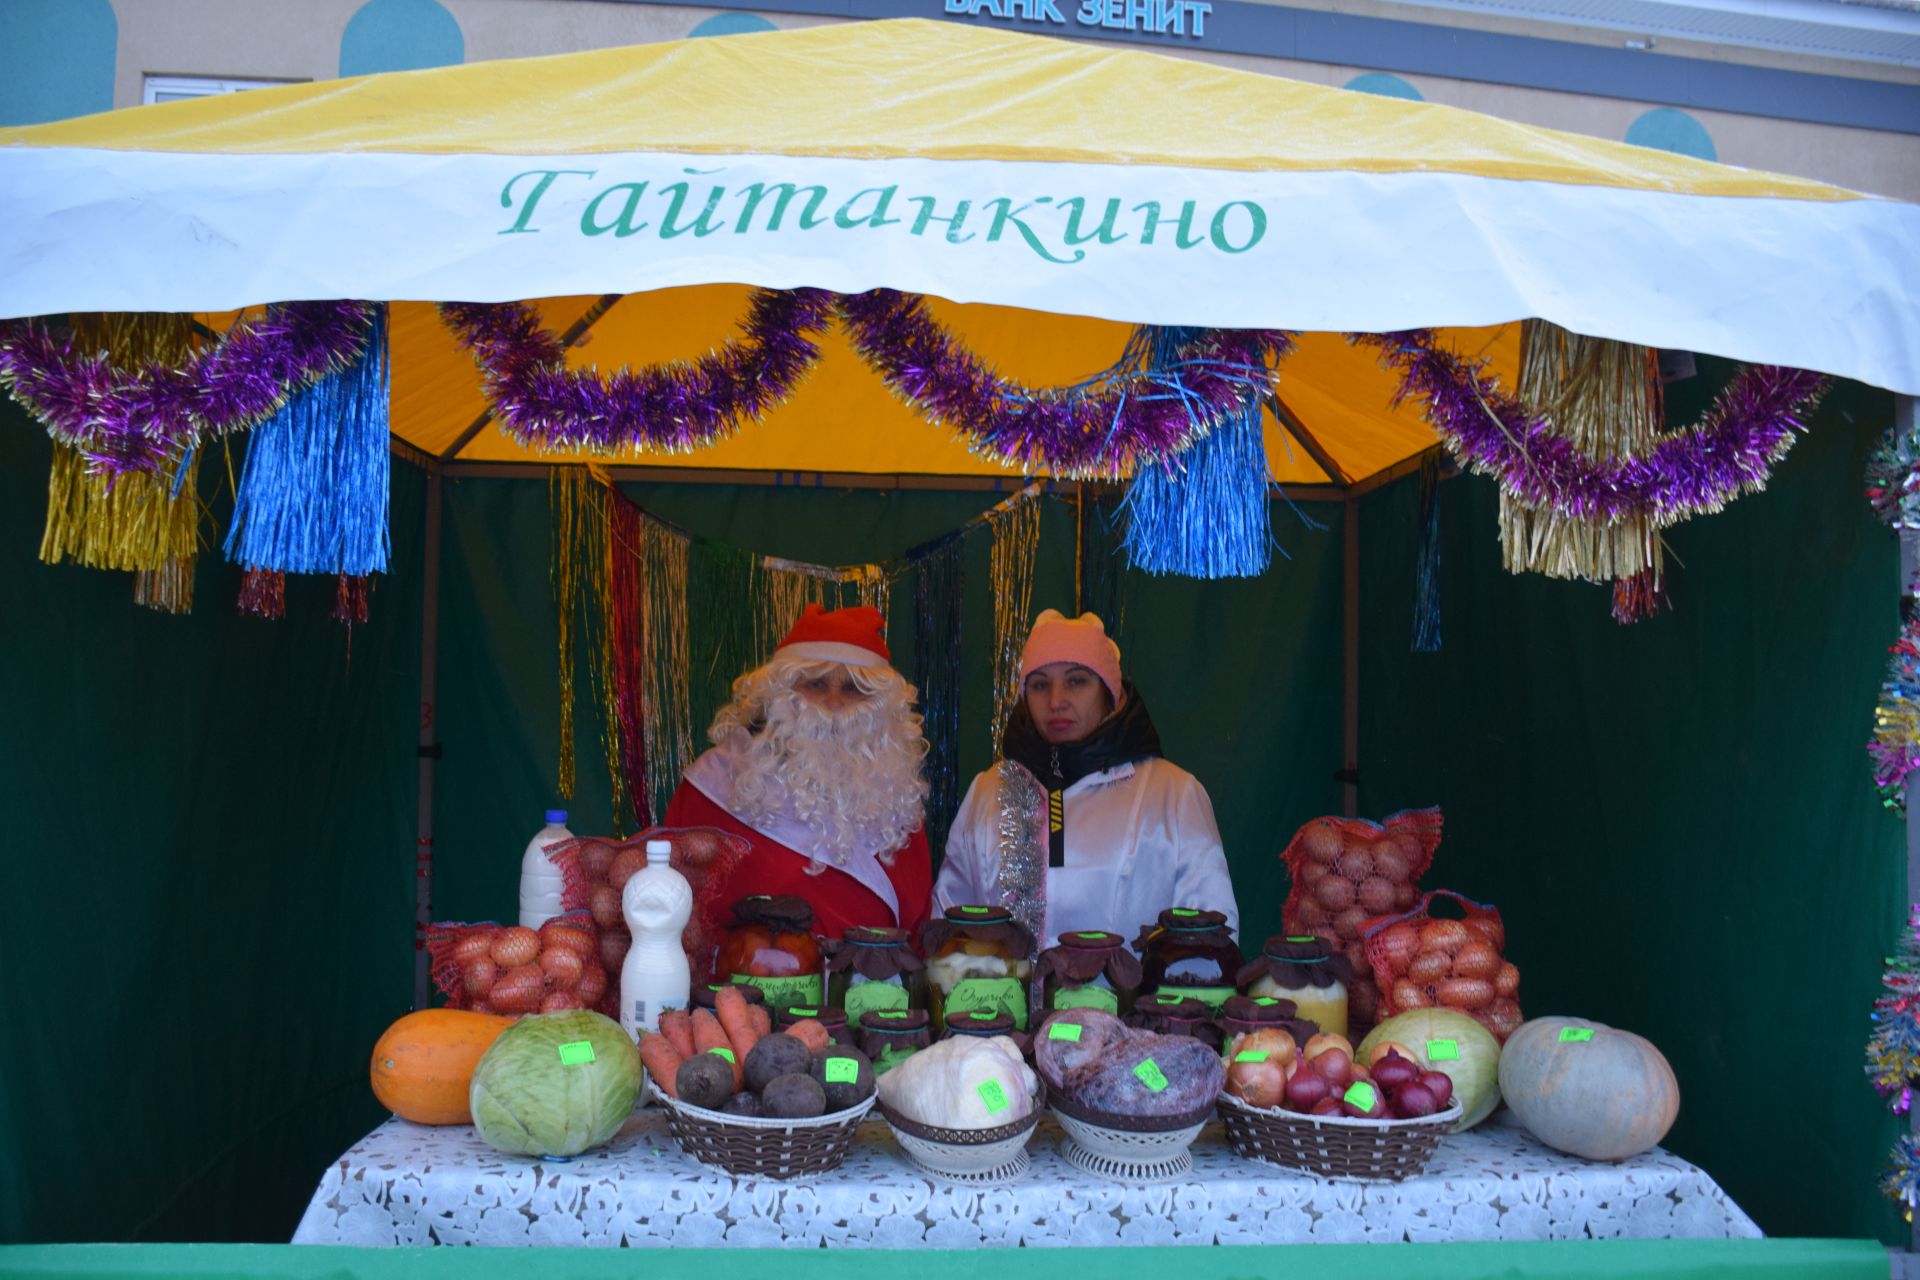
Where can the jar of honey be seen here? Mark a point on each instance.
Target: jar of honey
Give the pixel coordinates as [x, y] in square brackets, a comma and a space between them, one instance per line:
[771, 946]
[1307, 970]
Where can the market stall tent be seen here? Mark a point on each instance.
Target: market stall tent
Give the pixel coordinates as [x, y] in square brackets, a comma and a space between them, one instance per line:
[268, 893]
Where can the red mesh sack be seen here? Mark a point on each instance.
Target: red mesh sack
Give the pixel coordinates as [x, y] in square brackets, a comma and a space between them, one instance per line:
[492, 968]
[593, 872]
[1347, 872]
[1421, 960]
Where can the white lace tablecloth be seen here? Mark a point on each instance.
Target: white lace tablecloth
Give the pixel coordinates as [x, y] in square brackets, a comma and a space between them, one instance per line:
[407, 1184]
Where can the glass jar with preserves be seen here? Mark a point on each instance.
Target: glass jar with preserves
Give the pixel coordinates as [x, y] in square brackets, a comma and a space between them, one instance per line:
[889, 1036]
[869, 970]
[1168, 1014]
[834, 1020]
[1191, 953]
[1245, 1014]
[977, 958]
[1307, 970]
[771, 946]
[1089, 969]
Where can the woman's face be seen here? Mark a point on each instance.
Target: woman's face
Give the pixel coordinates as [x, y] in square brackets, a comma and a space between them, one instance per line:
[831, 690]
[1067, 701]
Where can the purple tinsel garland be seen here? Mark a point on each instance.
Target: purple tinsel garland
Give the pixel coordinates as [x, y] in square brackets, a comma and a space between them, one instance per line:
[136, 420]
[1100, 428]
[682, 405]
[1729, 452]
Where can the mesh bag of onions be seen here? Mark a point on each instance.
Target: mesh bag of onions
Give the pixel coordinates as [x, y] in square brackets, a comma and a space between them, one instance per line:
[1422, 961]
[1347, 873]
[493, 968]
[594, 871]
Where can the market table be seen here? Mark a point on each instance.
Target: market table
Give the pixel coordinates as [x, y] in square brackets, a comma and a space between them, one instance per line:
[407, 1184]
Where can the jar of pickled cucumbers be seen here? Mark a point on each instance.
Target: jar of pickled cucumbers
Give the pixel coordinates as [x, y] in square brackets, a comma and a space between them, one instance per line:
[874, 969]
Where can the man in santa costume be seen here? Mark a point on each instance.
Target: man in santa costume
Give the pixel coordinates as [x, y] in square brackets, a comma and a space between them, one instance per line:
[816, 762]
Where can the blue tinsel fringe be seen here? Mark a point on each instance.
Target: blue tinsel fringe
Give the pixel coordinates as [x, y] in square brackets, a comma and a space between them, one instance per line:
[313, 496]
[1204, 513]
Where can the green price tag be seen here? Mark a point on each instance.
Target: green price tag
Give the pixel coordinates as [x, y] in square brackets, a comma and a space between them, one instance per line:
[1443, 1051]
[724, 1053]
[1150, 1075]
[842, 1071]
[804, 1013]
[1264, 1001]
[576, 1052]
[979, 1016]
[1168, 999]
[1575, 1035]
[893, 1013]
[1090, 933]
[975, 911]
[1063, 1031]
[1301, 938]
[1251, 1055]
[1360, 1095]
[993, 1095]
[1185, 911]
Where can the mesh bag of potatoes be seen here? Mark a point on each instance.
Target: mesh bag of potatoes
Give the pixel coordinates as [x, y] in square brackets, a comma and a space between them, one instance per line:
[1349, 872]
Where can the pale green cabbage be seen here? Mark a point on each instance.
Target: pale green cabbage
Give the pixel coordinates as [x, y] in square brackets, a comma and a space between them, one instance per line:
[527, 1101]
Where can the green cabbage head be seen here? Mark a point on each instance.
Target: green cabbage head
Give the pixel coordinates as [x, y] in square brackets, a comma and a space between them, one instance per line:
[555, 1084]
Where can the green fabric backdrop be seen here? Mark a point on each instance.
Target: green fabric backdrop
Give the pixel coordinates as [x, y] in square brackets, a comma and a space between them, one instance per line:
[215, 814]
[1676, 818]
[209, 881]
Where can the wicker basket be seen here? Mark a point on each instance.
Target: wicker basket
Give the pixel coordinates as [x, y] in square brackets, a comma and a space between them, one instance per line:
[1128, 1149]
[759, 1147]
[1336, 1146]
[972, 1156]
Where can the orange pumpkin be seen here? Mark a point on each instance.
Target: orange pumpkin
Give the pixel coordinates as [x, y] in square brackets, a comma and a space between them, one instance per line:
[423, 1064]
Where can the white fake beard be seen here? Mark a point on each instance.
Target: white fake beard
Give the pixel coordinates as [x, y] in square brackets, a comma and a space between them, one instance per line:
[851, 777]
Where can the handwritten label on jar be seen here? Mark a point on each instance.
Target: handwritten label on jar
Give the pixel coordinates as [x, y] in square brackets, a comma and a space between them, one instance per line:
[1150, 1075]
[873, 997]
[993, 1096]
[1575, 1035]
[575, 1053]
[1443, 1050]
[784, 993]
[993, 995]
[1087, 997]
[1063, 1031]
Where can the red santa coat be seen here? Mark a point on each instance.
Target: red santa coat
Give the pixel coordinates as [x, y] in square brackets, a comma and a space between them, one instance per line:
[840, 899]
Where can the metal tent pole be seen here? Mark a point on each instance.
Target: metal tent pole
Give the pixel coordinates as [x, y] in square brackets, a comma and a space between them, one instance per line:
[429, 746]
[1350, 774]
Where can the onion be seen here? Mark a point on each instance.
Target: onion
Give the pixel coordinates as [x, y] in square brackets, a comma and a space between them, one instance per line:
[1307, 1088]
[1414, 1101]
[1395, 1071]
[1440, 1085]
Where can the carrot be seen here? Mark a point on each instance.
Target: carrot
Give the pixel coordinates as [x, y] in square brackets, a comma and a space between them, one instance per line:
[662, 1061]
[762, 1021]
[708, 1034]
[811, 1034]
[730, 1007]
[675, 1027]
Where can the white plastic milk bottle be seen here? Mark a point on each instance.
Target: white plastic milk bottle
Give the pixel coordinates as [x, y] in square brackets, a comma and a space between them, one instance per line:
[540, 881]
[657, 903]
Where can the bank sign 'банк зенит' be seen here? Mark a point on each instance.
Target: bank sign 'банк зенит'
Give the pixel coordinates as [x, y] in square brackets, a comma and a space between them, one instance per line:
[1151, 17]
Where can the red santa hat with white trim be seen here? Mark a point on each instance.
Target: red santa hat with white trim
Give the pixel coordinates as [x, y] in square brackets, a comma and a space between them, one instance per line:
[852, 637]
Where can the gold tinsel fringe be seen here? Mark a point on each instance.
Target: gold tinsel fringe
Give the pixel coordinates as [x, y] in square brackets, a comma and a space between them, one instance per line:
[666, 698]
[1016, 549]
[168, 589]
[138, 523]
[1604, 397]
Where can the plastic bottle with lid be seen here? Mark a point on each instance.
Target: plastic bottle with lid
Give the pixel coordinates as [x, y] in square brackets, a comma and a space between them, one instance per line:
[655, 976]
[540, 881]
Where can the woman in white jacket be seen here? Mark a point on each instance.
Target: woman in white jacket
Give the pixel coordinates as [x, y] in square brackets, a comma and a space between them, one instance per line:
[1082, 824]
